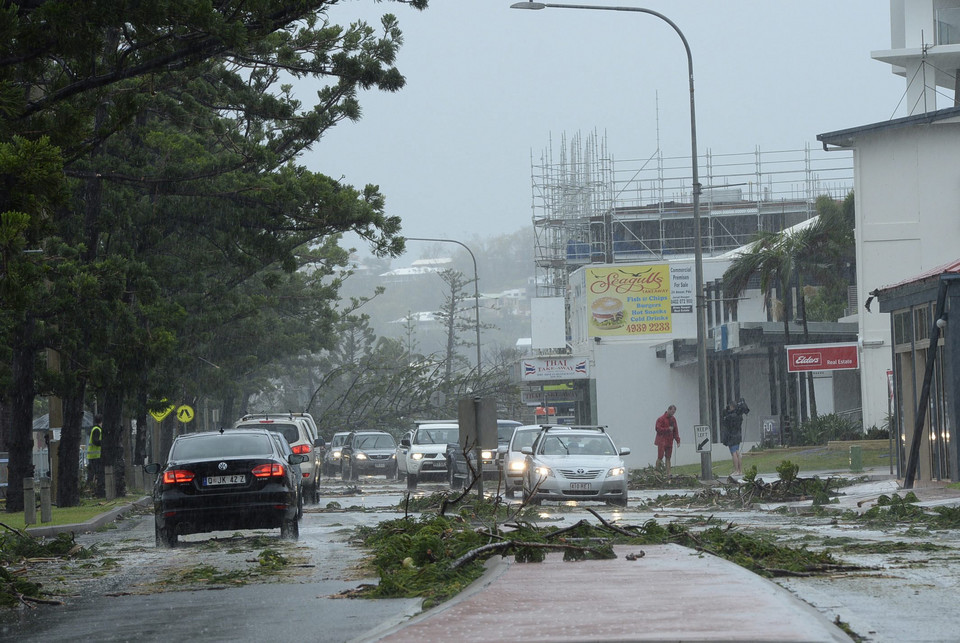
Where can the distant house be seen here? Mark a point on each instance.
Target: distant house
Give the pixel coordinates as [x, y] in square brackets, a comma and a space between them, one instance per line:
[418, 268]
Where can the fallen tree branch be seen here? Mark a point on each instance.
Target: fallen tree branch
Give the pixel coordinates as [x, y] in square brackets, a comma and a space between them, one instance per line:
[610, 526]
[560, 532]
[494, 547]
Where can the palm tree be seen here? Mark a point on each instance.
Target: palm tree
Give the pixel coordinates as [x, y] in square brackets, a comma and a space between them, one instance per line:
[767, 256]
[787, 257]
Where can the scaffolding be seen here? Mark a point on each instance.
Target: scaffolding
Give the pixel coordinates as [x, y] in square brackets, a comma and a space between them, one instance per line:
[589, 209]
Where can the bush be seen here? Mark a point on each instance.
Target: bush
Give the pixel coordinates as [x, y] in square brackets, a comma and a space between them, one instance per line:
[828, 427]
[873, 433]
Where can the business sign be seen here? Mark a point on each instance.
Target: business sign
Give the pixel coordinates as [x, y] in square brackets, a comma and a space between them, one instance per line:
[554, 368]
[629, 300]
[822, 357]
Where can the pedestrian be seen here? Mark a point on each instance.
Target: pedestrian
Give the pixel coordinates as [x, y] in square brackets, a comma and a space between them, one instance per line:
[94, 461]
[667, 433]
[731, 431]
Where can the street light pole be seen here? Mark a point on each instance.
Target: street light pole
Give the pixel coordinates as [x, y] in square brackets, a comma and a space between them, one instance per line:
[476, 291]
[706, 467]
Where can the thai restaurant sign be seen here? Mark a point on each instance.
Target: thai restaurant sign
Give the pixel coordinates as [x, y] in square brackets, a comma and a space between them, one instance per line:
[633, 300]
[822, 357]
[554, 368]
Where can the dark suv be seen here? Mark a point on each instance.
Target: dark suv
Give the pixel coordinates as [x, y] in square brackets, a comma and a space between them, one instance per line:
[368, 453]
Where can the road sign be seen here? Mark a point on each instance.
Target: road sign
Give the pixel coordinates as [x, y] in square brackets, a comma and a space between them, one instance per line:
[185, 413]
[161, 414]
[701, 437]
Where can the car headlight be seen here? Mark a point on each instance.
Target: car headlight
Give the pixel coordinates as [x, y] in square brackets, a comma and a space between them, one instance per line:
[518, 465]
[616, 471]
[416, 456]
[336, 455]
[393, 456]
[360, 455]
[486, 455]
[544, 472]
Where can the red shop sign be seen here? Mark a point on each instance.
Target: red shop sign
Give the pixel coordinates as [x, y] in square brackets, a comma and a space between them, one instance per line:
[822, 357]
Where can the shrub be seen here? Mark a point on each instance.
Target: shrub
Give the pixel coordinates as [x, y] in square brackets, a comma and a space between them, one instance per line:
[824, 428]
[788, 471]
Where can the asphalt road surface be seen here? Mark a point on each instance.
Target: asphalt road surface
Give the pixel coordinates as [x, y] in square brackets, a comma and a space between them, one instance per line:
[209, 588]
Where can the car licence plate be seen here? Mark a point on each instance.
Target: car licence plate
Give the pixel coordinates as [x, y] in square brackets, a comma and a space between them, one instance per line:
[380, 465]
[212, 481]
[580, 486]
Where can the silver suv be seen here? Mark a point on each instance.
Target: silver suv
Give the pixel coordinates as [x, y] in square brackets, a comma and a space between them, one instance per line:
[575, 463]
[422, 453]
[331, 457]
[300, 431]
[515, 461]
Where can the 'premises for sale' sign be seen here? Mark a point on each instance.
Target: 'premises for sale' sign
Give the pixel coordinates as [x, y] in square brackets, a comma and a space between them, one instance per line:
[822, 357]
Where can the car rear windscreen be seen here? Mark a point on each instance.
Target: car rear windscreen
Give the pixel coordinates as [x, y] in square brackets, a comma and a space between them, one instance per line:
[225, 445]
[289, 431]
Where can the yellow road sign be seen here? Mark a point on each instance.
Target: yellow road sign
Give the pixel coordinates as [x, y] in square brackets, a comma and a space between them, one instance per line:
[184, 413]
[159, 415]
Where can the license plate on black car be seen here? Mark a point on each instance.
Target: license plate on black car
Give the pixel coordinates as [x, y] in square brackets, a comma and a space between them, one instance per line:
[213, 481]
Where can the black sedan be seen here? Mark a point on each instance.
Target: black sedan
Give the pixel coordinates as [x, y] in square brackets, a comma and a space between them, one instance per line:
[226, 480]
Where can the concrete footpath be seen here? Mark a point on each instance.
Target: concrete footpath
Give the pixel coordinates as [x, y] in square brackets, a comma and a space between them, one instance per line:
[647, 593]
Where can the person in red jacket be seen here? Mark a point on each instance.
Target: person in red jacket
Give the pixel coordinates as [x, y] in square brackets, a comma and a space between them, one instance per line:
[667, 433]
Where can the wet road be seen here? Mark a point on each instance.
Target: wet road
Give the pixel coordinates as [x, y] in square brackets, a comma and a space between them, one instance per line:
[137, 597]
[135, 592]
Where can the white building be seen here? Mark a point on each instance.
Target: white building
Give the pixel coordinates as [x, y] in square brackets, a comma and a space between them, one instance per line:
[906, 178]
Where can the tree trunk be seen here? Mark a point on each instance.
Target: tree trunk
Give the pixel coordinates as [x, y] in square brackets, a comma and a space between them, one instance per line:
[791, 401]
[71, 434]
[112, 453]
[140, 417]
[20, 443]
[812, 396]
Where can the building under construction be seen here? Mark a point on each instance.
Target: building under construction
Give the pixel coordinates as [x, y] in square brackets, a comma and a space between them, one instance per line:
[589, 209]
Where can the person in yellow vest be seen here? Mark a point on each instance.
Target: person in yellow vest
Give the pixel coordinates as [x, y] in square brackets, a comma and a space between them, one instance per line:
[94, 462]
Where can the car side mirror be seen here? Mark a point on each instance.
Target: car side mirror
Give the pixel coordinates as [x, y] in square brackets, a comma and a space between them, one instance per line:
[297, 458]
[153, 468]
[319, 443]
[526, 450]
[405, 443]
[625, 451]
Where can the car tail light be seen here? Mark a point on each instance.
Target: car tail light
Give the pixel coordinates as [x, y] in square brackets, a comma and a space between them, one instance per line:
[177, 476]
[269, 471]
[300, 449]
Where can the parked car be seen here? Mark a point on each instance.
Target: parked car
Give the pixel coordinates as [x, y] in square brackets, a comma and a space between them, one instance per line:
[574, 463]
[227, 480]
[423, 451]
[331, 457]
[515, 461]
[459, 473]
[368, 453]
[301, 432]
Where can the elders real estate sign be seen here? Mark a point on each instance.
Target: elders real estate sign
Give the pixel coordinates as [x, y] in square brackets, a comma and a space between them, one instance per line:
[822, 357]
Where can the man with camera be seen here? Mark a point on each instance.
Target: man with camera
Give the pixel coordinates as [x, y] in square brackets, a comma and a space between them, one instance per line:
[731, 431]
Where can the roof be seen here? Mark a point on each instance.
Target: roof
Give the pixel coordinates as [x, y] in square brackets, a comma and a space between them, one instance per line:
[952, 268]
[847, 137]
[916, 290]
[747, 248]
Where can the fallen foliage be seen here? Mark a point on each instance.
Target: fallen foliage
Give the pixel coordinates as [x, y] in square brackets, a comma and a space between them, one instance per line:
[19, 549]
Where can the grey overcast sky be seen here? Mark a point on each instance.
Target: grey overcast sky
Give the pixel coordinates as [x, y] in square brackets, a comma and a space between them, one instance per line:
[488, 86]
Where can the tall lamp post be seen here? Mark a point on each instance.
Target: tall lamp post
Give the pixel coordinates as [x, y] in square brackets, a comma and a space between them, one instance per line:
[706, 467]
[476, 291]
